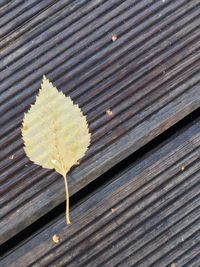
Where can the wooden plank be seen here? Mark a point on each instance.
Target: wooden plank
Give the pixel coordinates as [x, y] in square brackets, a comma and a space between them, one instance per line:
[149, 77]
[17, 13]
[149, 215]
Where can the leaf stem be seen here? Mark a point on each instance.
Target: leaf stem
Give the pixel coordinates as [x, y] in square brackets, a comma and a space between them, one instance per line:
[67, 199]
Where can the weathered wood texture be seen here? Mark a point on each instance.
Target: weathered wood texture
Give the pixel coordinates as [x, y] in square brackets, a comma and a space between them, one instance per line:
[149, 77]
[149, 215]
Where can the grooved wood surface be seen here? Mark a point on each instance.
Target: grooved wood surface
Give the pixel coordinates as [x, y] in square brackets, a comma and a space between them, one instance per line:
[149, 215]
[149, 78]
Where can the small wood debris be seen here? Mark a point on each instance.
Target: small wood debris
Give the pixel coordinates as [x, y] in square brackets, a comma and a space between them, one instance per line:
[113, 210]
[109, 112]
[77, 163]
[56, 238]
[182, 168]
[12, 157]
[173, 264]
[114, 37]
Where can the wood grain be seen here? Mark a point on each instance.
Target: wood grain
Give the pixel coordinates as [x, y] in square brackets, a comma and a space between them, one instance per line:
[149, 215]
[149, 78]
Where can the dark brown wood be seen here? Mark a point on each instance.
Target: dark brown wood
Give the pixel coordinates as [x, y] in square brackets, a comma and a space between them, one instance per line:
[149, 215]
[149, 78]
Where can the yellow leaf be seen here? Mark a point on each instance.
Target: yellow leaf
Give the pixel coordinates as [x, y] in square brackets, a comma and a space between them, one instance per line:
[55, 132]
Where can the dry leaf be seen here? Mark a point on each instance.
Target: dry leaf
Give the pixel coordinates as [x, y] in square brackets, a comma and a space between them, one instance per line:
[55, 132]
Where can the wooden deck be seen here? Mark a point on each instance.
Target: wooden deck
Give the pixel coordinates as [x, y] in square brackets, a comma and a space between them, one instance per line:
[147, 213]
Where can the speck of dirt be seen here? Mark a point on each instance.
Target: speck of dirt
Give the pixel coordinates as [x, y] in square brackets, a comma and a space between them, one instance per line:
[56, 238]
[182, 168]
[12, 157]
[114, 37]
[109, 112]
